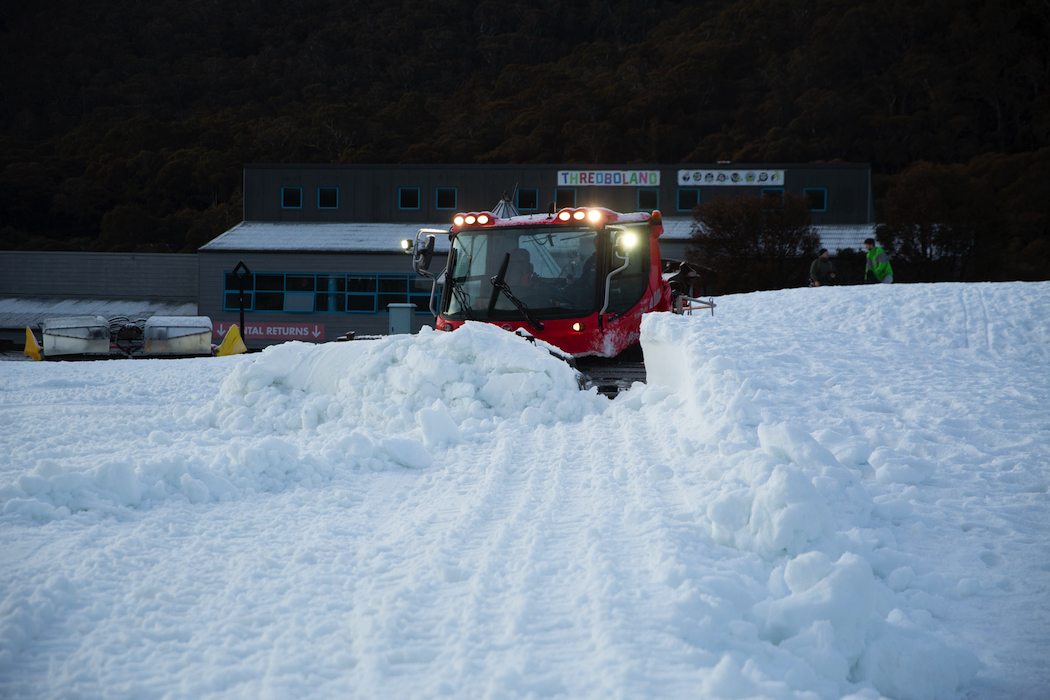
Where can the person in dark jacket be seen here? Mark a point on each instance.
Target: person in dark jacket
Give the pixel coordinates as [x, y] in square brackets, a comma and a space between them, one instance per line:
[877, 269]
[822, 271]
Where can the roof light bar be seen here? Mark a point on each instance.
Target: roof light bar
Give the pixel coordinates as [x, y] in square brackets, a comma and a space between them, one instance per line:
[474, 219]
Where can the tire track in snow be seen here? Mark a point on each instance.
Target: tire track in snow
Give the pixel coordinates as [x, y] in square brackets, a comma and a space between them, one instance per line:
[444, 535]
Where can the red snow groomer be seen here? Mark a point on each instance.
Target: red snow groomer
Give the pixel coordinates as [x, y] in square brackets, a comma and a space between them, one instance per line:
[579, 279]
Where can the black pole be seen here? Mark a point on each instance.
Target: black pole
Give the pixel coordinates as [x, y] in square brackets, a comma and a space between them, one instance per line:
[243, 273]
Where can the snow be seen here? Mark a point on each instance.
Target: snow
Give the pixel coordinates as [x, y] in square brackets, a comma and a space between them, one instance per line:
[321, 236]
[820, 493]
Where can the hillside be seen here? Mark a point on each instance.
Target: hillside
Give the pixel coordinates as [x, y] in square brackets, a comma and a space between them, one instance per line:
[125, 125]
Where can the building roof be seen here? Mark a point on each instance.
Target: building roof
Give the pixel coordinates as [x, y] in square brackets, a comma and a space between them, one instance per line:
[311, 237]
[250, 236]
[838, 238]
[834, 238]
[16, 313]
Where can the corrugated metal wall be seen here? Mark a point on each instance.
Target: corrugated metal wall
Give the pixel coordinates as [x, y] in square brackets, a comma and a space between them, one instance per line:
[149, 276]
[371, 193]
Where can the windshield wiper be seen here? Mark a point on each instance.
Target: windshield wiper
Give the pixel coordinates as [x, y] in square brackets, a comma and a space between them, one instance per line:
[499, 285]
[462, 297]
[457, 291]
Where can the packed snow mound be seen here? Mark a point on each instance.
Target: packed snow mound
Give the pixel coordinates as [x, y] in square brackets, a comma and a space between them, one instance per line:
[379, 404]
[981, 317]
[820, 493]
[433, 387]
[814, 486]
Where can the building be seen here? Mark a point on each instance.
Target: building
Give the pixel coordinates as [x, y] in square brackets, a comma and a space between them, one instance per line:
[323, 241]
[319, 249]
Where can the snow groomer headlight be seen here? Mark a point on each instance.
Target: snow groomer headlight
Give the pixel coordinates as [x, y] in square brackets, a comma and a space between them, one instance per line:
[596, 216]
[627, 241]
[473, 219]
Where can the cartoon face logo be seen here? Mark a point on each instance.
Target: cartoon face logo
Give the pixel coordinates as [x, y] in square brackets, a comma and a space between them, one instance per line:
[762, 177]
[710, 177]
[721, 177]
[735, 177]
[750, 177]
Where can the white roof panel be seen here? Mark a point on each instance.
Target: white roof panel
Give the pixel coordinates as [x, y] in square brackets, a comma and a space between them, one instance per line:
[834, 238]
[19, 313]
[316, 236]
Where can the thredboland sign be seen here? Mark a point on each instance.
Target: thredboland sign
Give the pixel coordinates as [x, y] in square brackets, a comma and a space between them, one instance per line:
[730, 178]
[609, 178]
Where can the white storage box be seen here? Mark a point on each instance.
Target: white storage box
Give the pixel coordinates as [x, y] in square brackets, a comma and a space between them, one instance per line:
[75, 335]
[178, 335]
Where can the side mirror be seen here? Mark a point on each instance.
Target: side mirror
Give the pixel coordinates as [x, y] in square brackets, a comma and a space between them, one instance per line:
[424, 255]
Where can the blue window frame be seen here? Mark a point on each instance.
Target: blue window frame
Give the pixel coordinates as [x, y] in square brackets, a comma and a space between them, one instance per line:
[528, 199]
[564, 197]
[445, 198]
[327, 197]
[291, 198]
[648, 198]
[817, 198]
[776, 193]
[299, 292]
[408, 198]
[688, 198]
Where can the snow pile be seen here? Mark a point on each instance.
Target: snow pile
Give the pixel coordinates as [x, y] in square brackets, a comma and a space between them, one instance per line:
[375, 404]
[475, 379]
[820, 493]
[790, 475]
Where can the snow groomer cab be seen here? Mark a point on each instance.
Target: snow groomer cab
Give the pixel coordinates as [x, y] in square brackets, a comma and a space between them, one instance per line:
[579, 279]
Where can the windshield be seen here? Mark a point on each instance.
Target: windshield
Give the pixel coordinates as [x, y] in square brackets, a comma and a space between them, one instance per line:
[550, 270]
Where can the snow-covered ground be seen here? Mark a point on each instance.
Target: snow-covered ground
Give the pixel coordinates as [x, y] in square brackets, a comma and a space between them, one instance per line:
[820, 493]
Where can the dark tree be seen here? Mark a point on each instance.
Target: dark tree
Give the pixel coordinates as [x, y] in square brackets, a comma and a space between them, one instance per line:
[753, 243]
[935, 221]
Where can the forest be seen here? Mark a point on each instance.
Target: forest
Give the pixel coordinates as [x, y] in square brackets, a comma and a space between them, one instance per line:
[125, 123]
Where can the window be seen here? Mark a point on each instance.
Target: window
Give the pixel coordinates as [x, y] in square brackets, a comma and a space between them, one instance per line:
[269, 292]
[392, 290]
[773, 195]
[291, 198]
[445, 198]
[627, 288]
[331, 294]
[817, 198]
[300, 292]
[361, 293]
[648, 198]
[408, 198]
[327, 197]
[231, 301]
[564, 197]
[688, 198]
[528, 199]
